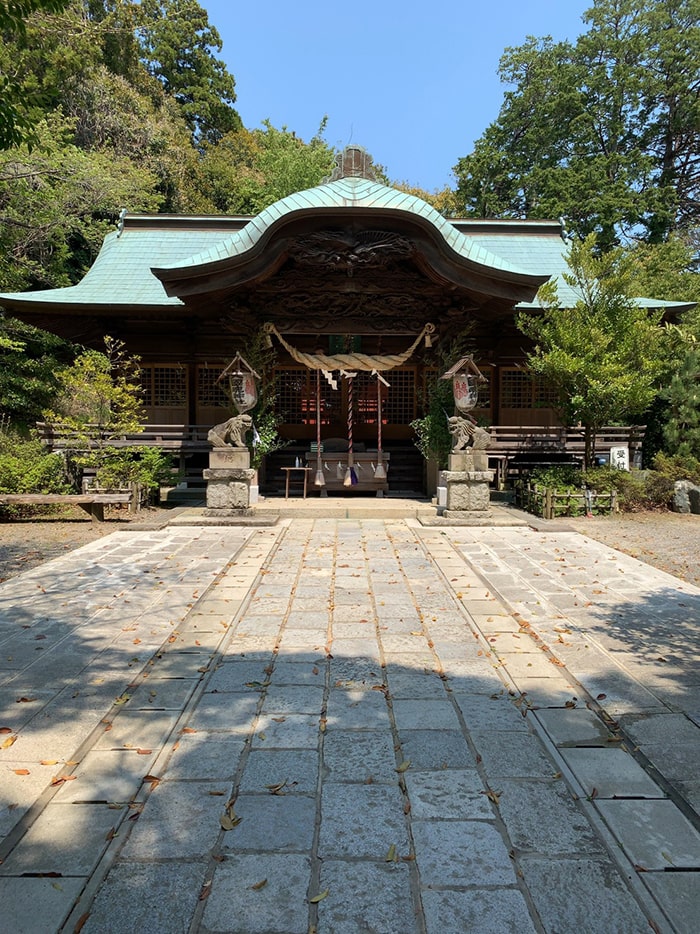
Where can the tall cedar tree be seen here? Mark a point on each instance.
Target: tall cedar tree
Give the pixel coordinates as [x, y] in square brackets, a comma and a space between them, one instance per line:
[605, 131]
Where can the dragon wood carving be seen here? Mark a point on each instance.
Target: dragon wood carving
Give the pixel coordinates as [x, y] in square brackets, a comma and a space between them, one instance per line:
[335, 249]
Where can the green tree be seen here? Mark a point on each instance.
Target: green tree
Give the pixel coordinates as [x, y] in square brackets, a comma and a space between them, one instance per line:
[30, 360]
[605, 357]
[682, 429]
[178, 45]
[99, 399]
[57, 202]
[604, 131]
[250, 169]
[15, 124]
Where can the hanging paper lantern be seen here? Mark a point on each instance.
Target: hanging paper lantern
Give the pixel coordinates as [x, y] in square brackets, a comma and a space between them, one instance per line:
[465, 376]
[244, 392]
[242, 386]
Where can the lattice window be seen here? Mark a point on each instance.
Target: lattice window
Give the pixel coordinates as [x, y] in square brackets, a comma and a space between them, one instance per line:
[522, 390]
[295, 398]
[399, 407]
[210, 393]
[164, 386]
[484, 389]
[365, 393]
[545, 395]
[516, 389]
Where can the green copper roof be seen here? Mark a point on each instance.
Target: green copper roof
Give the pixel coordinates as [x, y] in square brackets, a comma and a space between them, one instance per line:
[348, 194]
[123, 273]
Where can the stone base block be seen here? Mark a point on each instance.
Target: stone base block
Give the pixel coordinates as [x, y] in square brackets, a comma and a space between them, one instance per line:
[467, 492]
[229, 458]
[468, 460]
[227, 490]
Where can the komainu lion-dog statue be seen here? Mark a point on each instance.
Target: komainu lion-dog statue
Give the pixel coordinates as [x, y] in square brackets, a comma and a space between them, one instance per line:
[231, 433]
[466, 433]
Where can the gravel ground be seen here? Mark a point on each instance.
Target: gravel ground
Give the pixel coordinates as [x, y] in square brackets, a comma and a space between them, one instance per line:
[665, 540]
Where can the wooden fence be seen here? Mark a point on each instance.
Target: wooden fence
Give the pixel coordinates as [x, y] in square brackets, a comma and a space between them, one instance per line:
[547, 503]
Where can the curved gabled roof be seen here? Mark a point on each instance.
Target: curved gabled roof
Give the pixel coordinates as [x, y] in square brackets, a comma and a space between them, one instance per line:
[348, 194]
[338, 201]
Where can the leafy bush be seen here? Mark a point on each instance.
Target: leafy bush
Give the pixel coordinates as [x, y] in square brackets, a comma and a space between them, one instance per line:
[636, 490]
[564, 479]
[26, 467]
[149, 466]
[677, 467]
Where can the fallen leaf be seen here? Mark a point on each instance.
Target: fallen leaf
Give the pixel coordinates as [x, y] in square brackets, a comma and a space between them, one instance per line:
[406, 764]
[187, 729]
[111, 834]
[5, 729]
[391, 856]
[21, 771]
[205, 891]
[227, 823]
[494, 796]
[152, 780]
[81, 923]
[319, 898]
[8, 742]
[144, 752]
[49, 762]
[25, 700]
[259, 885]
[601, 696]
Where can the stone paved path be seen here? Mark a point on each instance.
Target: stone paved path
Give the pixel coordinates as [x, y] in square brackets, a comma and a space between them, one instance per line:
[349, 726]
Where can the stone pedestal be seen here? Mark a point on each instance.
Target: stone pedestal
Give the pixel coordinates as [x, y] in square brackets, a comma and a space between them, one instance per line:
[467, 482]
[229, 479]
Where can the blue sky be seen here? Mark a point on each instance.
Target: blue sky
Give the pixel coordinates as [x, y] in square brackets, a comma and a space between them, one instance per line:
[414, 83]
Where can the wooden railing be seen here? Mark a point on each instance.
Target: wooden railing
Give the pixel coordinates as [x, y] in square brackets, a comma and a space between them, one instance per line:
[507, 439]
[168, 437]
[516, 439]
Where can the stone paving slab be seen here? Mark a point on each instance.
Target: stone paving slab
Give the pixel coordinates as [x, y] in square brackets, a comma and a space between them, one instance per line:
[348, 724]
[654, 833]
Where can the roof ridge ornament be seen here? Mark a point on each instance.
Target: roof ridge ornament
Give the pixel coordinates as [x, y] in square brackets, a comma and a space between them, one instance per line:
[353, 162]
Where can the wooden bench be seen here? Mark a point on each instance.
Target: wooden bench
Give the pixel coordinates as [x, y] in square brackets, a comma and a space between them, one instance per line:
[93, 503]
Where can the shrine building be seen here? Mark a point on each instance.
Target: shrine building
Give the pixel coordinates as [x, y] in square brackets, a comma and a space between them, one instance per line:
[351, 265]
